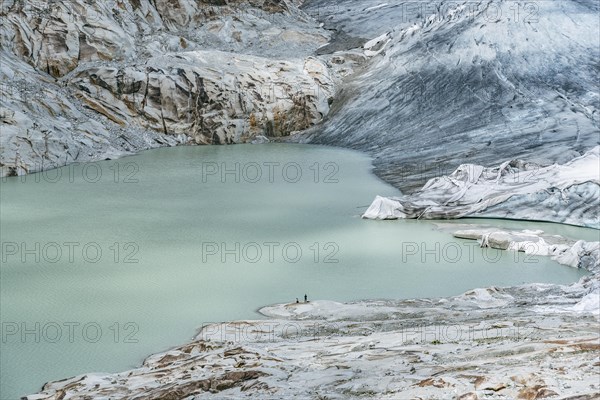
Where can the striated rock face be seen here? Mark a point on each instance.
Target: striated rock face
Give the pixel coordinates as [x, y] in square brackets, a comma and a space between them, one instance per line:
[86, 81]
[518, 190]
[43, 126]
[424, 88]
[55, 37]
[187, 94]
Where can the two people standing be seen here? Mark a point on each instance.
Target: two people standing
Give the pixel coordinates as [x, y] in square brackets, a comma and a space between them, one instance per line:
[305, 299]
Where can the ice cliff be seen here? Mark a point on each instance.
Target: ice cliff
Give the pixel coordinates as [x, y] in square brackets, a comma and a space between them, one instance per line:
[558, 193]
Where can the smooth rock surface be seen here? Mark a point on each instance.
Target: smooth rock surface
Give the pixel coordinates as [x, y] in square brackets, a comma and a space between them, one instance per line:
[87, 81]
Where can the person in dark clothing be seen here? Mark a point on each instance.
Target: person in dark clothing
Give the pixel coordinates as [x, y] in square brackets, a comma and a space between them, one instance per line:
[305, 298]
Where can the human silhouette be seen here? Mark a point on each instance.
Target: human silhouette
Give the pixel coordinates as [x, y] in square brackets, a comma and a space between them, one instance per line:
[305, 298]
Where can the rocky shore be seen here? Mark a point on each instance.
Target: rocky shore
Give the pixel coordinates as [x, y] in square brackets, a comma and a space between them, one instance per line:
[505, 97]
[527, 342]
[426, 89]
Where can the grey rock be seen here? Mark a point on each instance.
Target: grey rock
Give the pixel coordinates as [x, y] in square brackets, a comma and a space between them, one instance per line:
[88, 81]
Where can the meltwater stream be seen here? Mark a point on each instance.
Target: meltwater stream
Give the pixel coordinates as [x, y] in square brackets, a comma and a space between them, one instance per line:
[106, 263]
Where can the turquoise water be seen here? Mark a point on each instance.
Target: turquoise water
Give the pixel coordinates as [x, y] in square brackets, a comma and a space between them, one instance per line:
[120, 259]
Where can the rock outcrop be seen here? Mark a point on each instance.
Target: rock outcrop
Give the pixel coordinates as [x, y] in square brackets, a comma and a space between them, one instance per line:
[424, 88]
[87, 81]
[519, 343]
[188, 94]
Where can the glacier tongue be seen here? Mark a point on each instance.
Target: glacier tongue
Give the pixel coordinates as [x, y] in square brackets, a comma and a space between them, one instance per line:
[465, 83]
[558, 193]
[424, 88]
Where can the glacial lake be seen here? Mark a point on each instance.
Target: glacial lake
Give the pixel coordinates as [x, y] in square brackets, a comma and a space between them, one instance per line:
[106, 263]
